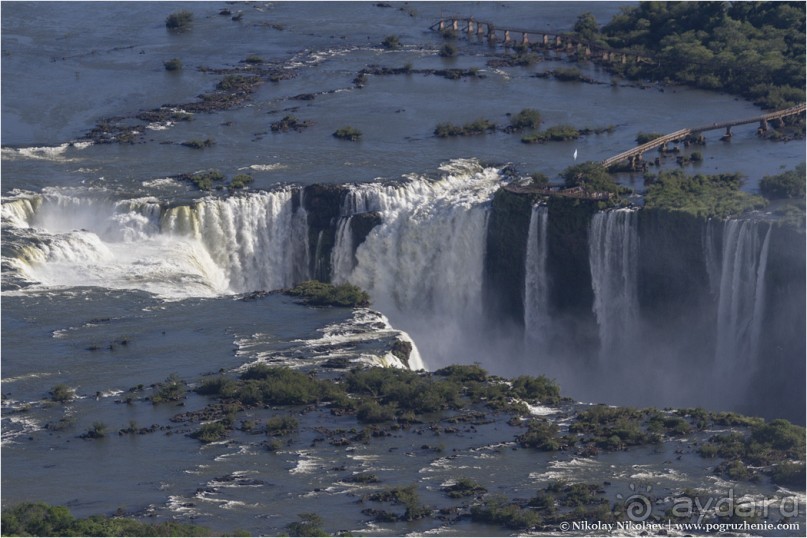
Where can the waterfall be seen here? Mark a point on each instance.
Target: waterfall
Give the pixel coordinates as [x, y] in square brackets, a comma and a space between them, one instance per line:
[741, 301]
[213, 246]
[255, 239]
[342, 260]
[613, 252]
[536, 287]
[428, 254]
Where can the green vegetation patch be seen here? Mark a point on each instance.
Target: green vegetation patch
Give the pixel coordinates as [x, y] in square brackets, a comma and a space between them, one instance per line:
[179, 20]
[716, 195]
[463, 487]
[528, 118]
[316, 293]
[289, 123]
[592, 176]
[174, 64]
[348, 133]
[746, 48]
[61, 393]
[498, 510]
[40, 519]
[556, 133]
[476, 127]
[787, 185]
[391, 42]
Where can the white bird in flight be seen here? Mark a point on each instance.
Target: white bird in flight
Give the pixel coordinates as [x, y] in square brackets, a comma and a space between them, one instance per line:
[575, 154]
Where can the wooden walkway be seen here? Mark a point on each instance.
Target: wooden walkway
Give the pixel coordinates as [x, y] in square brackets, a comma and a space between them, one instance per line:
[548, 39]
[683, 133]
[572, 192]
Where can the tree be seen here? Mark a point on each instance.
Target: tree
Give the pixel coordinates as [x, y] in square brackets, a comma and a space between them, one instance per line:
[590, 175]
[180, 20]
[310, 524]
[586, 26]
[789, 184]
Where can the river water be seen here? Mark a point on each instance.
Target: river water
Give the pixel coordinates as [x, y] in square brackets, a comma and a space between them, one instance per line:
[95, 252]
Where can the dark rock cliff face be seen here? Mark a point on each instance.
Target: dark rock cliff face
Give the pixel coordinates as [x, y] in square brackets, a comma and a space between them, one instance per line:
[322, 204]
[362, 224]
[505, 256]
[783, 346]
[568, 255]
[675, 295]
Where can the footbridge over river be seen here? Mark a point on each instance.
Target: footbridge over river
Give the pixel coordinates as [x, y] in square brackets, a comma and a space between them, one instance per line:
[636, 153]
[559, 41]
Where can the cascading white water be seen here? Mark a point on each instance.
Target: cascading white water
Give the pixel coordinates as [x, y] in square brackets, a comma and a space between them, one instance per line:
[613, 256]
[537, 321]
[741, 302]
[342, 261]
[214, 246]
[256, 240]
[423, 264]
[427, 255]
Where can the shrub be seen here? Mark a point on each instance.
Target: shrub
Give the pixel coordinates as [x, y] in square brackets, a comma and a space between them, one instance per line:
[210, 432]
[789, 184]
[62, 393]
[282, 386]
[407, 496]
[180, 20]
[539, 180]
[289, 122]
[463, 487]
[215, 385]
[174, 64]
[171, 390]
[96, 431]
[716, 195]
[281, 425]
[528, 118]
[644, 138]
[362, 478]
[789, 474]
[541, 434]
[479, 126]
[240, 181]
[40, 519]
[348, 133]
[310, 524]
[237, 83]
[391, 42]
[567, 73]
[539, 388]
[449, 50]
[204, 180]
[444, 130]
[198, 144]
[463, 372]
[499, 511]
[316, 293]
[371, 412]
[591, 175]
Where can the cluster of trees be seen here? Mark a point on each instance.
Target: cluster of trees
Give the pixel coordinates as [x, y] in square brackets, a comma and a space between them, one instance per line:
[753, 49]
[40, 519]
[700, 195]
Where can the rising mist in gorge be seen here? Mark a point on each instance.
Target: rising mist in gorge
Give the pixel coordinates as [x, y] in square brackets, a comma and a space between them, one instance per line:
[642, 307]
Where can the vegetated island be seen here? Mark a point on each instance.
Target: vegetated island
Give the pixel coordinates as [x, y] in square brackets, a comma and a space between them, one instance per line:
[277, 405]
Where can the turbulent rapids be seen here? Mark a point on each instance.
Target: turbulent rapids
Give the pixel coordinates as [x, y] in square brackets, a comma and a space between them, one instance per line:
[586, 298]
